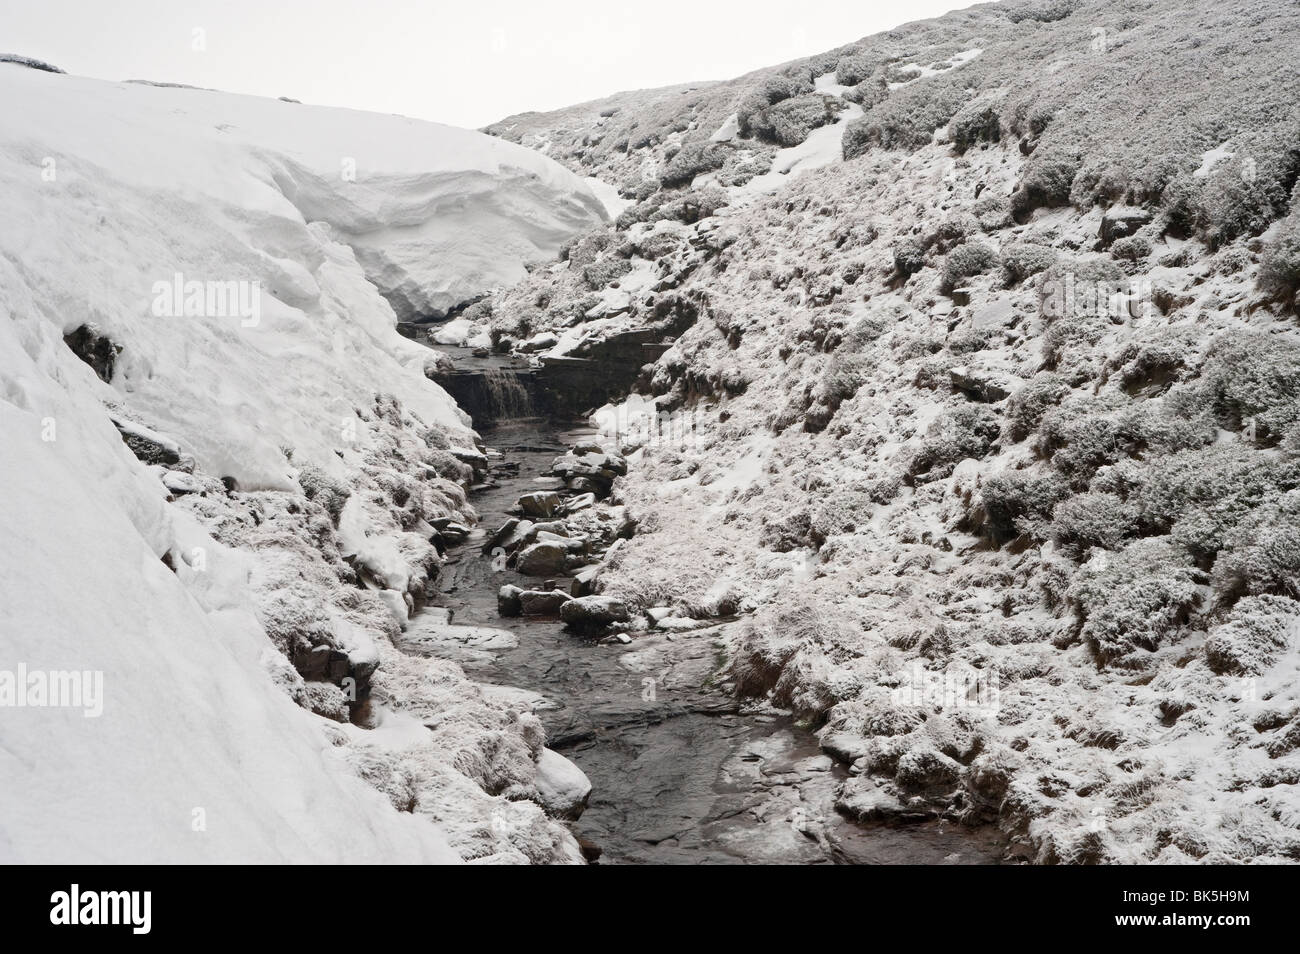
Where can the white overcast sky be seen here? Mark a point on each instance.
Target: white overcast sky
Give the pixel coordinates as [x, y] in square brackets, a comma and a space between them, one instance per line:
[468, 63]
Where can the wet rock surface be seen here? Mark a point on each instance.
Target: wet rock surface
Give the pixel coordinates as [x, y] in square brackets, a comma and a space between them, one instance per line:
[679, 773]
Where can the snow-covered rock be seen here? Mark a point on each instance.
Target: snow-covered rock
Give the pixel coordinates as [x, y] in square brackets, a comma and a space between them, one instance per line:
[562, 787]
[593, 612]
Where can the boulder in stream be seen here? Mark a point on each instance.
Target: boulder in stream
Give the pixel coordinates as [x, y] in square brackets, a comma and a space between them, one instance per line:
[562, 787]
[508, 603]
[592, 613]
[543, 602]
[545, 503]
[542, 559]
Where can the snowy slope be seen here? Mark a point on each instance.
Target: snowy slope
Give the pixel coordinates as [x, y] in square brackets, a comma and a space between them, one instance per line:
[150, 182]
[108, 190]
[987, 427]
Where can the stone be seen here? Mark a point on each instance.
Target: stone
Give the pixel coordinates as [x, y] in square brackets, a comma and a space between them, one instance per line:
[477, 460]
[863, 799]
[542, 559]
[92, 346]
[586, 578]
[543, 602]
[508, 603]
[502, 534]
[588, 613]
[452, 531]
[978, 385]
[582, 485]
[179, 482]
[562, 787]
[544, 503]
[539, 342]
[580, 502]
[1121, 221]
[556, 528]
[148, 445]
[680, 624]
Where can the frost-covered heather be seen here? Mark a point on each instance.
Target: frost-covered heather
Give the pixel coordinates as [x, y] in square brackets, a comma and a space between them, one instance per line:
[230, 511]
[1007, 398]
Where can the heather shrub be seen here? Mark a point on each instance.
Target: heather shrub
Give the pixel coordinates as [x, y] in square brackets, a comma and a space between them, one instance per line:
[952, 231]
[693, 159]
[907, 119]
[601, 272]
[843, 512]
[1279, 273]
[447, 466]
[1046, 182]
[1087, 433]
[869, 92]
[1077, 297]
[1262, 552]
[1018, 502]
[846, 371]
[966, 261]
[1093, 520]
[1132, 248]
[320, 487]
[968, 431]
[1131, 603]
[1199, 496]
[1099, 181]
[789, 122]
[1026, 407]
[909, 257]
[993, 212]
[1043, 11]
[1151, 360]
[1231, 260]
[1177, 422]
[1254, 634]
[1245, 192]
[977, 121]
[854, 68]
[769, 93]
[688, 206]
[584, 250]
[865, 331]
[773, 639]
[1020, 260]
[1253, 381]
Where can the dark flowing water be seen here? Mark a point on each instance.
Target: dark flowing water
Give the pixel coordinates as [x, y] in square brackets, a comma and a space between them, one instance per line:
[680, 774]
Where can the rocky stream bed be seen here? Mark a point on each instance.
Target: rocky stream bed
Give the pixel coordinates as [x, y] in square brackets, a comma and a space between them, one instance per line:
[680, 772]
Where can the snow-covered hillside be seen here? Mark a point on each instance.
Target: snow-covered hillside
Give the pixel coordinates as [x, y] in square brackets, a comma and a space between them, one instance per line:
[212, 279]
[988, 426]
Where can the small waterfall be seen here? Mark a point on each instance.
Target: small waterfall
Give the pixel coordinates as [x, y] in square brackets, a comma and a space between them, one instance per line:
[508, 399]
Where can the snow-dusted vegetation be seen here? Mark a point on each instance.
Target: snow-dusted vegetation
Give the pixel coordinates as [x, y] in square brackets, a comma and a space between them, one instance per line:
[1005, 397]
[951, 409]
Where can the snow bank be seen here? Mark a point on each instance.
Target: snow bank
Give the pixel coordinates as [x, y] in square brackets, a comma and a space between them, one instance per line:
[196, 756]
[228, 249]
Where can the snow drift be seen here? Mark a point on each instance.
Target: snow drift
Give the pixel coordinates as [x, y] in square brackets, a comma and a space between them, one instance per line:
[236, 263]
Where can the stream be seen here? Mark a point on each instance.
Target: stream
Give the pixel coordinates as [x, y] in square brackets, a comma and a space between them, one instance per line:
[680, 773]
